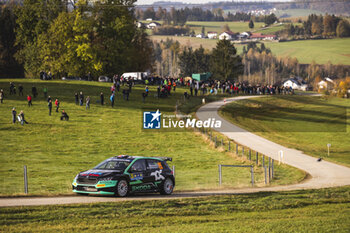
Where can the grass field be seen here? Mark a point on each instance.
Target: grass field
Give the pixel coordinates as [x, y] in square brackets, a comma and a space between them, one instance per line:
[301, 122]
[325, 210]
[218, 26]
[321, 51]
[293, 13]
[55, 151]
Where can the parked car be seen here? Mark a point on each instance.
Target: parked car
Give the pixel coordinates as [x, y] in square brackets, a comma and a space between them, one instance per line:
[104, 79]
[124, 174]
[70, 78]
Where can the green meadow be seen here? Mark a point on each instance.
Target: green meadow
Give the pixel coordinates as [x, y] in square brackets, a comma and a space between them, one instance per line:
[55, 151]
[305, 123]
[218, 26]
[324, 210]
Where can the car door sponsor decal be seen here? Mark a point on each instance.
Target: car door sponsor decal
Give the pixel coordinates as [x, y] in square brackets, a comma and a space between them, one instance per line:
[136, 176]
[158, 175]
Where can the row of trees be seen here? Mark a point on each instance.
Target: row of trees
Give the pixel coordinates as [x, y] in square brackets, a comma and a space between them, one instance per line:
[180, 16]
[318, 25]
[98, 38]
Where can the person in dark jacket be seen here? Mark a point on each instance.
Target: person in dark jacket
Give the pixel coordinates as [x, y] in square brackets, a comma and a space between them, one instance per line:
[50, 107]
[20, 90]
[112, 100]
[76, 98]
[87, 103]
[34, 92]
[64, 116]
[102, 98]
[81, 98]
[14, 113]
[2, 95]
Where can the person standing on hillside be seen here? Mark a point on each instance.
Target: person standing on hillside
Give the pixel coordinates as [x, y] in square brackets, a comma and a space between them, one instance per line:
[112, 100]
[57, 104]
[102, 98]
[29, 98]
[2, 96]
[20, 90]
[14, 113]
[76, 98]
[50, 107]
[81, 98]
[34, 92]
[45, 92]
[87, 106]
[21, 118]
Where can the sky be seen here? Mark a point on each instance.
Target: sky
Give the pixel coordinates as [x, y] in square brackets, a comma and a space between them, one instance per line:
[147, 2]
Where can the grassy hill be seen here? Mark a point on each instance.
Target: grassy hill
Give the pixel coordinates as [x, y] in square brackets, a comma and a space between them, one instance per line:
[55, 151]
[325, 210]
[301, 122]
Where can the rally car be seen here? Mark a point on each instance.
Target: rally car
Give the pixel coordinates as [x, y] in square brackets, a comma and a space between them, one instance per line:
[124, 174]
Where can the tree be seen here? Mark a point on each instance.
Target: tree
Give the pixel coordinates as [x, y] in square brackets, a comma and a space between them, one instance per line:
[203, 30]
[251, 24]
[270, 19]
[343, 28]
[226, 28]
[316, 28]
[9, 67]
[225, 63]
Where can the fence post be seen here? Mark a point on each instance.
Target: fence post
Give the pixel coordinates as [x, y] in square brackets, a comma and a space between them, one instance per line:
[272, 169]
[222, 142]
[220, 174]
[236, 149]
[216, 138]
[25, 180]
[257, 158]
[269, 169]
[229, 145]
[263, 160]
[174, 170]
[242, 151]
[252, 174]
[250, 155]
[265, 175]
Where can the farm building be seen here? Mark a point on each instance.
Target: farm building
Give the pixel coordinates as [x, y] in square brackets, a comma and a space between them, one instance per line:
[227, 35]
[296, 84]
[326, 84]
[212, 35]
[153, 25]
[259, 36]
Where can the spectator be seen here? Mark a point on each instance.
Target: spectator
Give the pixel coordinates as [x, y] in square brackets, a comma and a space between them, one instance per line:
[87, 103]
[174, 86]
[102, 98]
[45, 92]
[2, 95]
[50, 107]
[57, 104]
[64, 116]
[20, 90]
[11, 87]
[81, 98]
[21, 118]
[112, 100]
[29, 98]
[49, 99]
[14, 113]
[76, 98]
[144, 95]
[158, 91]
[146, 90]
[34, 92]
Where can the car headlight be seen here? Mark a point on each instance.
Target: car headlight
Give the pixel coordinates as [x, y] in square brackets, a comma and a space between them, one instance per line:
[106, 179]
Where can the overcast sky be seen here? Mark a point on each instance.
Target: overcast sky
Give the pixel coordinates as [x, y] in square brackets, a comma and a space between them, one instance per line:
[142, 2]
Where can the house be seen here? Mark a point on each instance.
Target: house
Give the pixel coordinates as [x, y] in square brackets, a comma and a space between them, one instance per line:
[244, 35]
[259, 36]
[200, 35]
[153, 25]
[296, 83]
[212, 35]
[227, 35]
[149, 19]
[326, 84]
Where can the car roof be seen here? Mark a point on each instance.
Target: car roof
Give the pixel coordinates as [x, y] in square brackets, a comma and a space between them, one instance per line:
[131, 158]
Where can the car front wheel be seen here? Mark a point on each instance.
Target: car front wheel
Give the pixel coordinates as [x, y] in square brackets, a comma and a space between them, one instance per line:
[122, 188]
[167, 187]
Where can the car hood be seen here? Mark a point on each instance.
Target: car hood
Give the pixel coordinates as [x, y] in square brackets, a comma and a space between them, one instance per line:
[99, 173]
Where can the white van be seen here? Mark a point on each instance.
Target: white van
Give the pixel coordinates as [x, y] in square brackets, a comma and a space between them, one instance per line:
[139, 76]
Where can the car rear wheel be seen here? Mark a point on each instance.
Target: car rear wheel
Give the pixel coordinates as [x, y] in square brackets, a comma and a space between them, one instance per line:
[122, 188]
[167, 187]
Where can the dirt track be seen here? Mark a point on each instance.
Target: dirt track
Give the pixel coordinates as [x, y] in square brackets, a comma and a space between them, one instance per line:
[323, 174]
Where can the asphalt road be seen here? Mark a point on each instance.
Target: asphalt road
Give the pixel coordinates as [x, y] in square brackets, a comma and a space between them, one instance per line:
[323, 174]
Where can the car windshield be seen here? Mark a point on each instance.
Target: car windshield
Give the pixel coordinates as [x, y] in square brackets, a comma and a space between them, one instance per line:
[113, 165]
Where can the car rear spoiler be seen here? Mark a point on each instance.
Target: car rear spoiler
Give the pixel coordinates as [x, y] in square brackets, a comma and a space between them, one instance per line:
[165, 158]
